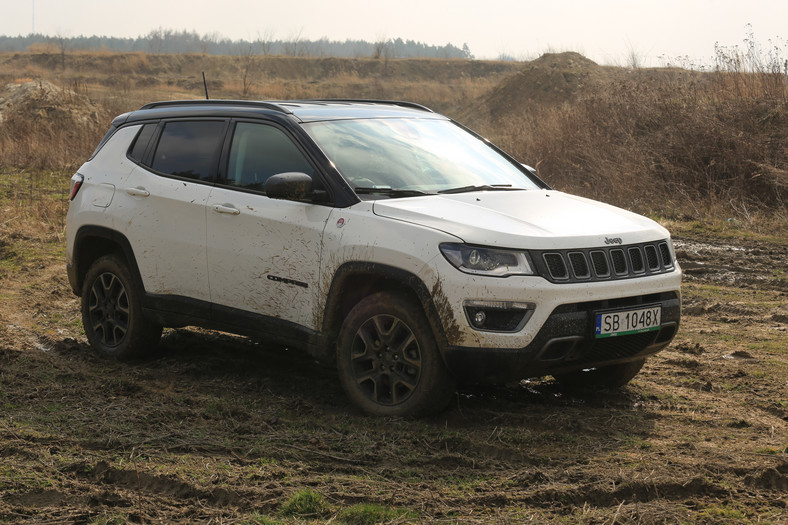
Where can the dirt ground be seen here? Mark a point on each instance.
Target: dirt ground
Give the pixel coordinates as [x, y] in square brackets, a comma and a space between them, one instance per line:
[220, 429]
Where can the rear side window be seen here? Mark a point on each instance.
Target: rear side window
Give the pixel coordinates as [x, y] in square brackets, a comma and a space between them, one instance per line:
[141, 142]
[259, 151]
[189, 149]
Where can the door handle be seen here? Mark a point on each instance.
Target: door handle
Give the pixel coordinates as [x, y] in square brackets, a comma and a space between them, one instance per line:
[229, 209]
[139, 191]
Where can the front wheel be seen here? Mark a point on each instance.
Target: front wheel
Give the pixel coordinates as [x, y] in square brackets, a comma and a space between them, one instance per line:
[388, 361]
[112, 311]
[612, 376]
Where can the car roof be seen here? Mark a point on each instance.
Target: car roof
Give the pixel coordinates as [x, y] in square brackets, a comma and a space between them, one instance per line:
[302, 110]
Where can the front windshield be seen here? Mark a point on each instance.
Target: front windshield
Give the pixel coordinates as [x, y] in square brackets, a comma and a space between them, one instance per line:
[416, 155]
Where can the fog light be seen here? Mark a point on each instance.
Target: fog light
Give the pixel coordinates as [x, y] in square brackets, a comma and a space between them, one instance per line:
[498, 316]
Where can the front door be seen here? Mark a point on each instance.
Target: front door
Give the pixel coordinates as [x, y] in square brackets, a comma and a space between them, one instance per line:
[264, 254]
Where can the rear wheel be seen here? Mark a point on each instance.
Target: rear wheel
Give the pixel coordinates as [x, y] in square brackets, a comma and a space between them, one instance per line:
[388, 361]
[112, 311]
[612, 376]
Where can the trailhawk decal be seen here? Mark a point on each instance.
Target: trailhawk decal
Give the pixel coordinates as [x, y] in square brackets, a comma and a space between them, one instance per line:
[287, 281]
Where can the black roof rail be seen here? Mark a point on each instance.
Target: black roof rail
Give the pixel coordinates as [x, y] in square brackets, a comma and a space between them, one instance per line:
[280, 105]
[400, 103]
[216, 102]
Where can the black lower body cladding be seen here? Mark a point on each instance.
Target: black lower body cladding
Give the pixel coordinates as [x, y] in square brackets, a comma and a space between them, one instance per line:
[566, 342]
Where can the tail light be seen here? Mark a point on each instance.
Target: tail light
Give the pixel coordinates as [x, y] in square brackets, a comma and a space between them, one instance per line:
[76, 183]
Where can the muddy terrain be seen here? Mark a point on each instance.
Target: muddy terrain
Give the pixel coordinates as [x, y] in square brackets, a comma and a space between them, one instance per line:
[220, 429]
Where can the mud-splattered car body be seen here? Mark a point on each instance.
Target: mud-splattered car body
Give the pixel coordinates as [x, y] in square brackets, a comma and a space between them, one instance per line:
[379, 234]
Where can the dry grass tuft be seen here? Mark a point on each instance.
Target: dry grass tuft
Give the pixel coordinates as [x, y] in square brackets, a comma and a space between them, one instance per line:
[672, 143]
[668, 142]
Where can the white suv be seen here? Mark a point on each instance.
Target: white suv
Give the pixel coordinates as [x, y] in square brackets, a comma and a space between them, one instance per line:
[378, 235]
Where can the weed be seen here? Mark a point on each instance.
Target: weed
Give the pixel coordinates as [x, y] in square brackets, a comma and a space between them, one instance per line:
[371, 514]
[636, 442]
[772, 450]
[720, 513]
[305, 503]
[260, 519]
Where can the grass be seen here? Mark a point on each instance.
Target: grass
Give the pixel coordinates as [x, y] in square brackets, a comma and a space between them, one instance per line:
[372, 514]
[306, 503]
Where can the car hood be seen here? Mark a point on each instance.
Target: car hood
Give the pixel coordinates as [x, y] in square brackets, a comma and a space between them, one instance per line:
[534, 219]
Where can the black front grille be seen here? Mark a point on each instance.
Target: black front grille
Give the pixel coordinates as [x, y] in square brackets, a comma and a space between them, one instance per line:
[599, 261]
[570, 336]
[636, 257]
[664, 251]
[619, 262]
[607, 263]
[577, 260]
[556, 266]
[619, 347]
[652, 259]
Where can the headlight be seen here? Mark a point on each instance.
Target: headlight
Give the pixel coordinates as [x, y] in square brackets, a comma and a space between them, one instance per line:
[480, 260]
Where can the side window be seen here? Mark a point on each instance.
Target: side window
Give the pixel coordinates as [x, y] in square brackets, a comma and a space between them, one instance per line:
[189, 149]
[259, 151]
[137, 151]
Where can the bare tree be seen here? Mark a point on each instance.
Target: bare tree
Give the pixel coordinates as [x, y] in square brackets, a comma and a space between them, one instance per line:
[156, 40]
[294, 43]
[249, 65]
[381, 47]
[209, 41]
[265, 41]
[63, 43]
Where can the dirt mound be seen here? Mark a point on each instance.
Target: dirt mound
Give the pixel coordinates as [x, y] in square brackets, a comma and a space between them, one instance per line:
[42, 100]
[553, 78]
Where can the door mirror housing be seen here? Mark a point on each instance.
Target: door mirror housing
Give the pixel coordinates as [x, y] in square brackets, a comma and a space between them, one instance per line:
[293, 186]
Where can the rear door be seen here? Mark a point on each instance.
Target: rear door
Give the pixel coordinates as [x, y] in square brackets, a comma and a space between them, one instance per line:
[161, 207]
[264, 254]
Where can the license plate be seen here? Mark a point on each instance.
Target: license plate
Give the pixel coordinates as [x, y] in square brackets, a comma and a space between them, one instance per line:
[625, 322]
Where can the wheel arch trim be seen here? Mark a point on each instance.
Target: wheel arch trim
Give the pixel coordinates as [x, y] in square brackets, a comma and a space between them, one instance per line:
[371, 278]
[84, 253]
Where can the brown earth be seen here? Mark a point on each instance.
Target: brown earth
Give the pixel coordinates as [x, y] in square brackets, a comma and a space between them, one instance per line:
[217, 428]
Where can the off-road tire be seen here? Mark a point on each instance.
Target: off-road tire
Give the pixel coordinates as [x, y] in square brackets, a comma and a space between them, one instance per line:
[388, 361]
[112, 311]
[612, 376]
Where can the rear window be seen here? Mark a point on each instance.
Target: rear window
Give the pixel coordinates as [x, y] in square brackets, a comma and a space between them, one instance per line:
[189, 149]
[141, 142]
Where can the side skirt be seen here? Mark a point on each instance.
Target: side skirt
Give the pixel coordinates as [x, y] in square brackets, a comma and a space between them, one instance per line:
[177, 311]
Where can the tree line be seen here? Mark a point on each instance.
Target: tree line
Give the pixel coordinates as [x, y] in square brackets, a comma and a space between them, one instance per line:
[168, 41]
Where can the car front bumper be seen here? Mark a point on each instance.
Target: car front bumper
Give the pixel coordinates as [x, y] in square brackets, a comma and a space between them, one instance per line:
[559, 333]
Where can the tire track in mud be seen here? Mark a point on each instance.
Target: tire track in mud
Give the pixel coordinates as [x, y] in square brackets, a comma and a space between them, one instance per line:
[758, 266]
[684, 436]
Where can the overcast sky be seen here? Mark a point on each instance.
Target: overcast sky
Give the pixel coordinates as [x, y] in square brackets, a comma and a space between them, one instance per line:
[607, 31]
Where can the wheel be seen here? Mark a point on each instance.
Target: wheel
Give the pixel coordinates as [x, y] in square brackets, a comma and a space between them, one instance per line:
[112, 311]
[612, 376]
[388, 361]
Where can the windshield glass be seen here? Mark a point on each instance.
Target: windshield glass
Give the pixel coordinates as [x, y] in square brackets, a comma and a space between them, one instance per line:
[424, 155]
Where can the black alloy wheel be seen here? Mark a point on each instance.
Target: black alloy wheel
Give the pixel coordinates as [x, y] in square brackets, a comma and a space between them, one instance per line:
[388, 361]
[112, 311]
[108, 309]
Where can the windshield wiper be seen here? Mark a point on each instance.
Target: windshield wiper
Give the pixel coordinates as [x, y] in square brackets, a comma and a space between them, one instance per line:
[391, 192]
[481, 187]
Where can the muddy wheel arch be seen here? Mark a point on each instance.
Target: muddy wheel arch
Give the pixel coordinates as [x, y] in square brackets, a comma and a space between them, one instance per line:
[355, 280]
[92, 242]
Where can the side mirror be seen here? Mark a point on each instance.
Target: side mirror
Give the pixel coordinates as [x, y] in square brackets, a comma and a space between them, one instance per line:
[291, 186]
